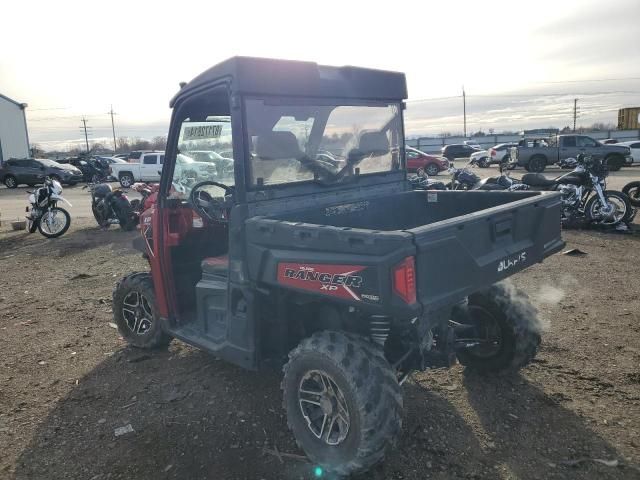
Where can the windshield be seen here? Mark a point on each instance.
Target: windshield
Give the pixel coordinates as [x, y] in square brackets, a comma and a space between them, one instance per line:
[200, 158]
[323, 143]
[49, 163]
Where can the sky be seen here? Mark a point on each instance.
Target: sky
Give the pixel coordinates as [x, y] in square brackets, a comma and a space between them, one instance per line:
[521, 63]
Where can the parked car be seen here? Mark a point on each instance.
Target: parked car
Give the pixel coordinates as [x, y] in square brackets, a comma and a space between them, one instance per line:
[634, 146]
[30, 171]
[458, 150]
[122, 156]
[535, 155]
[431, 164]
[94, 168]
[472, 144]
[134, 157]
[482, 158]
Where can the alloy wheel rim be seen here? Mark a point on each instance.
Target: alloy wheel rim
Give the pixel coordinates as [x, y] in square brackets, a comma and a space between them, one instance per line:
[324, 407]
[137, 314]
[10, 182]
[52, 222]
[612, 213]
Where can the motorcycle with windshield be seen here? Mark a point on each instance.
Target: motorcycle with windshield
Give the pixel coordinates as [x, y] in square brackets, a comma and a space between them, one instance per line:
[43, 213]
[584, 193]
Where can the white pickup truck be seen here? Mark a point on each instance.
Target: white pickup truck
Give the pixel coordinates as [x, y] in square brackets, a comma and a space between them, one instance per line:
[147, 170]
[150, 167]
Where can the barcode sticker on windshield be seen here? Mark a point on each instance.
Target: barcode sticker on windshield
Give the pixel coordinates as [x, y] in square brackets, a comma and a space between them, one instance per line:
[432, 197]
[202, 132]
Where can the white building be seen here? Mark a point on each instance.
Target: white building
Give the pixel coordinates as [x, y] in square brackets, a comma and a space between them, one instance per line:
[14, 139]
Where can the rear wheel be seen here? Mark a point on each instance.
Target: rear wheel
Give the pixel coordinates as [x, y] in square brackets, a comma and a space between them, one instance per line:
[343, 401]
[617, 209]
[505, 330]
[126, 180]
[136, 314]
[54, 222]
[632, 190]
[32, 225]
[483, 162]
[10, 181]
[537, 164]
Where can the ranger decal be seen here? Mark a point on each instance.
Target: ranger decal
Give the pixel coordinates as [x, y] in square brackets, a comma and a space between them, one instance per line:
[341, 281]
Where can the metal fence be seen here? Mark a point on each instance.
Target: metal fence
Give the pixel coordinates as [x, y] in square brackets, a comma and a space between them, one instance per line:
[435, 144]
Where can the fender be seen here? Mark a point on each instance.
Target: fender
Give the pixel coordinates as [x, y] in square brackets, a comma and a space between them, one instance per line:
[56, 198]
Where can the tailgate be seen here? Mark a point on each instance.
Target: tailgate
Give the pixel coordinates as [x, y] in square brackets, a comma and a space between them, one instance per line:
[460, 255]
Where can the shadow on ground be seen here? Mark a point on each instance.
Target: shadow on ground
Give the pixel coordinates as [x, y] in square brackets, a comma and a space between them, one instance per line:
[196, 417]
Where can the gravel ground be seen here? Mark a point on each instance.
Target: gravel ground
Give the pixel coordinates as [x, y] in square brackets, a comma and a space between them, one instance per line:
[67, 381]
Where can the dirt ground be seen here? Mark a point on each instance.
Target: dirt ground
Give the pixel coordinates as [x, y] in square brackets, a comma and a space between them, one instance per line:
[67, 381]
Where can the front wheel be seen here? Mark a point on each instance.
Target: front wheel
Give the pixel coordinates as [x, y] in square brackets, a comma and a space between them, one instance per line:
[616, 210]
[615, 163]
[54, 222]
[102, 222]
[343, 401]
[483, 163]
[136, 314]
[501, 330]
[632, 190]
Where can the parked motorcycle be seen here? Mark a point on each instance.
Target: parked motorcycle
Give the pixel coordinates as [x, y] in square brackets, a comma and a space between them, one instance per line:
[632, 190]
[112, 207]
[584, 193]
[465, 179]
[43, 213]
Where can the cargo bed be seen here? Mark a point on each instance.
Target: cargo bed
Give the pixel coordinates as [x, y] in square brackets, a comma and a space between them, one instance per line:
[461, 241]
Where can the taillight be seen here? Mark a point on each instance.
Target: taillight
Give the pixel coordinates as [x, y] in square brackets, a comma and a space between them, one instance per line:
[404, 280]
[493, 152]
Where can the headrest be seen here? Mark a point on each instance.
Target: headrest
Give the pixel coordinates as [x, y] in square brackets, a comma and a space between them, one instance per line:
[278, 146]
[373, 143]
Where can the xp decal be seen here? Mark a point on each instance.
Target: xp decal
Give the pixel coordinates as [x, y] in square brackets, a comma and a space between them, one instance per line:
[342, 281]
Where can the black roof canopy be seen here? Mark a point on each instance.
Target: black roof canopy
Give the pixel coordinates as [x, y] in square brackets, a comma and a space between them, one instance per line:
[265, 76]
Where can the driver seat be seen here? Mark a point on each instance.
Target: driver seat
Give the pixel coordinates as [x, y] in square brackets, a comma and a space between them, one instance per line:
[216, 266]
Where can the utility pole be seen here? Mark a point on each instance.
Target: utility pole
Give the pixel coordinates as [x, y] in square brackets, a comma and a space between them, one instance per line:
[464, 111]
[575, 113]
[86, 137]
[113, 129]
